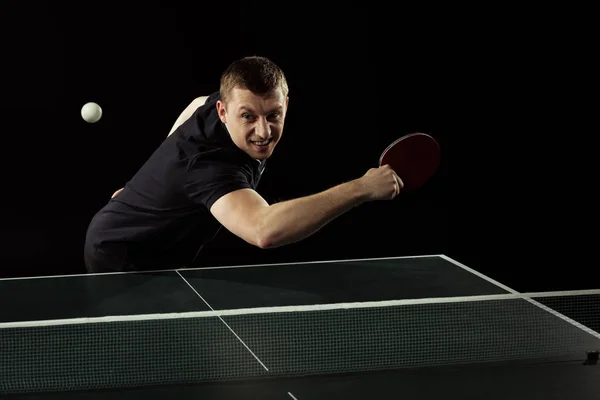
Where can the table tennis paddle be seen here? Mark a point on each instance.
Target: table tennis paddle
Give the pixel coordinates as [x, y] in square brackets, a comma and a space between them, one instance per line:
[414, 157]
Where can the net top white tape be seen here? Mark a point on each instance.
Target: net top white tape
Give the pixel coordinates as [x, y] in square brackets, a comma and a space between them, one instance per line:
[316, 307]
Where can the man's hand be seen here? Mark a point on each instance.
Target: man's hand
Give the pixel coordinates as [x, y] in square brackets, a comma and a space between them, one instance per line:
[116, 193]
[381, 183]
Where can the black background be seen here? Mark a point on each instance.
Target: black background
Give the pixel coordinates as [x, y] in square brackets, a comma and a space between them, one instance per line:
[502, 90]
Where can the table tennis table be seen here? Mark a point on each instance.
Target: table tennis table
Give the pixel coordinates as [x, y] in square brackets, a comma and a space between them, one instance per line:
[419, 327]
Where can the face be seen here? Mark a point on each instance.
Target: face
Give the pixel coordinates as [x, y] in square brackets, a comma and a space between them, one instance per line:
[255, 123]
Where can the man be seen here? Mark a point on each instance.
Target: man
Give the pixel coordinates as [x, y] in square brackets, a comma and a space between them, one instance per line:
[204, 176]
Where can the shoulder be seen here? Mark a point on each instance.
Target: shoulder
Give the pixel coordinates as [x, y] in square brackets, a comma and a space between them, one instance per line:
[206, 104]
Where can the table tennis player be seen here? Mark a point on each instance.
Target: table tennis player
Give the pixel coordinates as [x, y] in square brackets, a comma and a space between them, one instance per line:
[204, 176]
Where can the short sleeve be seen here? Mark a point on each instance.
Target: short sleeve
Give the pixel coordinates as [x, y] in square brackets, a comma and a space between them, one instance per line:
[209, 178]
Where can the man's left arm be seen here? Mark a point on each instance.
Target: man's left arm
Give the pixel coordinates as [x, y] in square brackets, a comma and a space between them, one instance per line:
[184, 116]
[187, 113]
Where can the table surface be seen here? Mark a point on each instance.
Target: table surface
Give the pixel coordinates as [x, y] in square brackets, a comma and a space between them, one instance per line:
[348, 329]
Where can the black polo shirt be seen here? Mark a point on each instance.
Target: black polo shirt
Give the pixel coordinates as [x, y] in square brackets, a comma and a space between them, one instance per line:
[162, 217]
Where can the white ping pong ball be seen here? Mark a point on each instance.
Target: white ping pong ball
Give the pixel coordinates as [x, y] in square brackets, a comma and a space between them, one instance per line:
[91, 112]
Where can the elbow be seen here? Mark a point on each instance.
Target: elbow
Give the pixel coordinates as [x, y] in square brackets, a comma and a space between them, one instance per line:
[265, 242]
[264, 245]
[268, 235]
[267, 239]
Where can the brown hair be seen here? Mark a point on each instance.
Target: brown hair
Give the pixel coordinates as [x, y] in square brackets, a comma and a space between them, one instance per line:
[257, 74]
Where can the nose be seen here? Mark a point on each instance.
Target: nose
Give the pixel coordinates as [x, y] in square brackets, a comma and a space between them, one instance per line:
[263, 129]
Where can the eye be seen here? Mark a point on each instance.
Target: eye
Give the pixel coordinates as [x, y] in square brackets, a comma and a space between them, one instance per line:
[246, 116]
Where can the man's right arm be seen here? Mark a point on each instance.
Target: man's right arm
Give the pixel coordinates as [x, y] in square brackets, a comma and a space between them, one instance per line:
[247, 215]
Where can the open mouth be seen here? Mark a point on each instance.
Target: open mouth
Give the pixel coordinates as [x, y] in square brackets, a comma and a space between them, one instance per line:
[264, 143]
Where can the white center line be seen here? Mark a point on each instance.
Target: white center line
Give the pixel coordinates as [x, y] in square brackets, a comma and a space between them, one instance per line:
[241, 341]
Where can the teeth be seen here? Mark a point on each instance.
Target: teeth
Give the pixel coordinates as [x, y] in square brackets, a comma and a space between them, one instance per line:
[262, 143]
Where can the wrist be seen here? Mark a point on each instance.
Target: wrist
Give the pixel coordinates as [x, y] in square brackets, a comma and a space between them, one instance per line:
[359, 190]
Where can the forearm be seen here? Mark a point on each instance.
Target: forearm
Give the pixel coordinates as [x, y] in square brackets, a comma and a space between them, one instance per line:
[291, 221]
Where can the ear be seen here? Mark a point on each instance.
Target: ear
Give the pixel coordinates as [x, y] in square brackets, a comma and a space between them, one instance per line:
[221, 111]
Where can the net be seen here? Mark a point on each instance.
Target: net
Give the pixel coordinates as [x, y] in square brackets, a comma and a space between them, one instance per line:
[127, 351]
